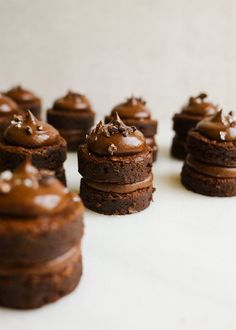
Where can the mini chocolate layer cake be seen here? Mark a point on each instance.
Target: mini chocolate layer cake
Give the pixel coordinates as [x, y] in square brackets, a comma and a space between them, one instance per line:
[134, 112]
[26, 100]
[210, 167]
[73, 116]
[193, 112]
[41, 226]
[27, 137]
[116, 165]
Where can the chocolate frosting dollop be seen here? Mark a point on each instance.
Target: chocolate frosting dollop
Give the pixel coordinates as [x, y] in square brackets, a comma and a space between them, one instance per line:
[133, 107]
[198, 106]
[72, 102]
[219, 127]
[20, 94]
[31, 192]
[7, 106]
[115, 138]
[27, 131]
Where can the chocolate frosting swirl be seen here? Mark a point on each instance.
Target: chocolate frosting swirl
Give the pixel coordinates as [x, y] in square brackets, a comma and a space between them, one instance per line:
[7, 106]
[29, 132]
[133, 108]
[19, 94]
[72, 102]
[219, 127]
[197, 106]
[31, 192]
[115, 138]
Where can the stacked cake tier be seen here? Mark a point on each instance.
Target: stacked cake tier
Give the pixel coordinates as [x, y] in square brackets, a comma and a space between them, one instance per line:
[210, 166]
[73, 116]
[116, 166]
[41, 226]
[193, 112]
[27, 137]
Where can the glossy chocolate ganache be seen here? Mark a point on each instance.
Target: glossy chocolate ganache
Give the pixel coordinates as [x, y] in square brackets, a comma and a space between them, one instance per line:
[27, 131]
[20, 94]
[199, 106]
[115, 138]
[220, 127]
[45, 194]
[133, 107]
[72, 102]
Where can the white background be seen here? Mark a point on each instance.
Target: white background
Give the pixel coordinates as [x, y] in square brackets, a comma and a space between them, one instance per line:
[161, 49]
[172, 266]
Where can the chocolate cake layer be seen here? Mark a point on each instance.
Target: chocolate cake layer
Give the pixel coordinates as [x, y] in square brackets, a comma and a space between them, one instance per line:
[178, 148]
[71, 120]
[211, 151]
[182, 123]
[32, 240]
[33, 286]
[115, 203]
[50, 157]
[207, 185]
[115, 169]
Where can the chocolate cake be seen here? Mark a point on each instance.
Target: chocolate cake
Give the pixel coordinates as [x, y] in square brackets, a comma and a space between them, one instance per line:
[27, 137]
[210, 166]
[26, 100]
[197, 109]
[134, 112]
[41, 226]
[8, 108]
[116, 166]
[73, 116]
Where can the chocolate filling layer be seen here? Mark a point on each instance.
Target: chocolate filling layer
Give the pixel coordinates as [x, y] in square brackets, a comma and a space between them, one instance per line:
[46, 267]
[211, 170]
[120, 188]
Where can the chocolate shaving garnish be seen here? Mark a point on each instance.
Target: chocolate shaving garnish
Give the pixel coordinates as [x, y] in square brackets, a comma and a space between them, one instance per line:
[29, 130]
[202, 96]
[111, 149]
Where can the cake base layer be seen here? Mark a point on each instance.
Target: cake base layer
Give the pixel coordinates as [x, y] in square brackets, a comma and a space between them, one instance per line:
[33, 287]
[206, 185]
[178, 148]
[111, 203]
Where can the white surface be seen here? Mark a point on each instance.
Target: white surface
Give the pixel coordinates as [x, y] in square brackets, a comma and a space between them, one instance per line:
[171, 266]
